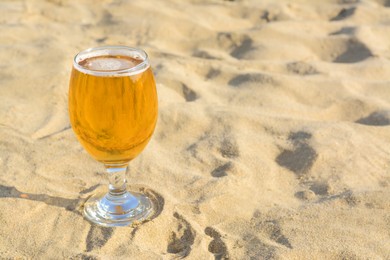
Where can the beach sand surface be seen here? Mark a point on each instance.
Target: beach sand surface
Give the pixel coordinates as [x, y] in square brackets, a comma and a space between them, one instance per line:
[272, 142]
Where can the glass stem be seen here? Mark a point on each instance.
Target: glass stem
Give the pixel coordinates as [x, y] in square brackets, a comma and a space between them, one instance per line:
[117, 178]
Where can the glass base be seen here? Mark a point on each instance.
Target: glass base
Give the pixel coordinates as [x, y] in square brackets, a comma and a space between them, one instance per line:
[112, 210]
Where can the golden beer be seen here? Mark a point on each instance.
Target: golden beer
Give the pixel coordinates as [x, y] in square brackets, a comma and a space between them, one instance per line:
[113, 114]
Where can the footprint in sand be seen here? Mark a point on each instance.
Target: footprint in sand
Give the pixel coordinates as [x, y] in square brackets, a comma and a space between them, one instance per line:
[270, 228]
[182, 238]
[229, 148]
[349, 30]
[107, 19]
[378, 118]
[269, 16]
[251, 78]
[222, 170]
[385, 3]
[189, 94]
[180, 89]
[306, 195]
[97, 237]
[101, 40]
[203, 54]
[341, 50]
[242, 48]
[222, 142]
[355, 51]
[256, 249]
[351, 198]
[237, 45]
[301, 68]
[344, 13]
[315, 190]
[321, 188]
[301, 158]
[217, 247]
[212, 73]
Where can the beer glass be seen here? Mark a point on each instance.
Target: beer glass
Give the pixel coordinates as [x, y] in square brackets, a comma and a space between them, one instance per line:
[113, 112]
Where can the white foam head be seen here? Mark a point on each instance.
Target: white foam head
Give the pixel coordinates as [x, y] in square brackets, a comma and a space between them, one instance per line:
[108, 66]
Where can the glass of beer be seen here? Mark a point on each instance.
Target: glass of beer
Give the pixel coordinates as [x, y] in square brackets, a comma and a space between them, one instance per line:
[113, 112]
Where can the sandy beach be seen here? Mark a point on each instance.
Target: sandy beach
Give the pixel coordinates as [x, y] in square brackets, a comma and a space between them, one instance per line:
[272, 142]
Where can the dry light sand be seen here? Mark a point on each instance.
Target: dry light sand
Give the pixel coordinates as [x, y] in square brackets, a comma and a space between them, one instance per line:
[273, 138]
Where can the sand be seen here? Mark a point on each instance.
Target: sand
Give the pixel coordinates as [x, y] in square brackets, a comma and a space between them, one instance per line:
[273, 137]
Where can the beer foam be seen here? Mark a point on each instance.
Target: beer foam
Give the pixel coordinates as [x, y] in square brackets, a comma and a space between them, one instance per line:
[113, 61]
[108, 63]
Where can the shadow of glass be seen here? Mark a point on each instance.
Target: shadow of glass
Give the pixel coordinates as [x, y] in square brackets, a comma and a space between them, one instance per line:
[68, 204]
[75, 205]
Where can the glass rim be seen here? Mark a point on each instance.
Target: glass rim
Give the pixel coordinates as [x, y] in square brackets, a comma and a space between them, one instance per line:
[111, 49]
